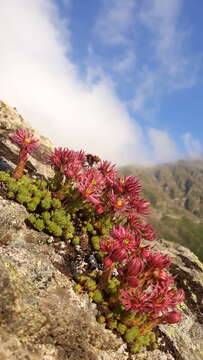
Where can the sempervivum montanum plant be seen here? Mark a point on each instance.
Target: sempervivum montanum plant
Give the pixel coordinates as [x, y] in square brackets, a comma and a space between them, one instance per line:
[87, 196]
[27, 144]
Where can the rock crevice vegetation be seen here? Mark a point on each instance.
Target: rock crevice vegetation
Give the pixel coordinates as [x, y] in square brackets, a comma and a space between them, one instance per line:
[90, 206]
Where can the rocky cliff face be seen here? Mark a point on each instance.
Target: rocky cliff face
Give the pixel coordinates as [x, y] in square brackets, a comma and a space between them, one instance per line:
[42, 318]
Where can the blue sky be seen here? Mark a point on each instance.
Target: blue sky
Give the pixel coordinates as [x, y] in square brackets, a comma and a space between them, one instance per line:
[120, 78]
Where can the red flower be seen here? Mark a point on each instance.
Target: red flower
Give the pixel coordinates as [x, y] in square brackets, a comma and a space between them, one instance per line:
[140, 205]
[75, 166]
[150, 298]
[126, 237]
[141, 228]
[27, 144]
[25, 140]
[109, 245]
[67, 161]
[132, 186]
[119, 255]
[136, 300]
[158, 260]
[133, 267]
[119, 203]
[130, 271]
[108, 171]
[165, 279]
[147, 232]
[59, 157]
[175, 297]
[91, 184]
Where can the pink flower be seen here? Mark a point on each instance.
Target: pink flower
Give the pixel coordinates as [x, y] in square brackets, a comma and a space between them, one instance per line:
[141, 228]
[67, 161]
[126, 237]
[25, 140]
[118, 203]
[158, 260]
[132, 185]
[120, 232]
[162, 275]
[109, 245]
[59, 157]
[136, 300]
[75, 166]
[140, 205]
[91, 184]
[175, 297]
[27, 144]
[145, 252]
[150, 298]
[147, 232]
[108, 171]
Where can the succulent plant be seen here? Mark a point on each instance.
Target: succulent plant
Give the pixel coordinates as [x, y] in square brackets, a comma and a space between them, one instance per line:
[131, 285]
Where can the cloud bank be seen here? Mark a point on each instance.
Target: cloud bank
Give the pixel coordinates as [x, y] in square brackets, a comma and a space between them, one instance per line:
[192, 145]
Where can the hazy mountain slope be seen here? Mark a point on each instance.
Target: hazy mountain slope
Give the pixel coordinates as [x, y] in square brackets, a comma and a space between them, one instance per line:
[175, 191]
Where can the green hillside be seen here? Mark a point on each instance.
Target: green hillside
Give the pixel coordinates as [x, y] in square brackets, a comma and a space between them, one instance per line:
[175, 191]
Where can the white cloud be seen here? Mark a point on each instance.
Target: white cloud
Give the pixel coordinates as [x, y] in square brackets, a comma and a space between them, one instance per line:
[114, 21]
[38, 78]
[193, 147]
[163, 147]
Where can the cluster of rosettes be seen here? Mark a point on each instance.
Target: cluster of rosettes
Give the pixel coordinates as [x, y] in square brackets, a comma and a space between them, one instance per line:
[100, 184]
[145, 284]
[135, 278]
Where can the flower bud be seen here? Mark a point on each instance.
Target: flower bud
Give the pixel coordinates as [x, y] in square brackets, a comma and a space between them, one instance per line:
[134, 266]
[173, 317]
[99, 209]
[107, 262]
[133, 282]
[118, 255]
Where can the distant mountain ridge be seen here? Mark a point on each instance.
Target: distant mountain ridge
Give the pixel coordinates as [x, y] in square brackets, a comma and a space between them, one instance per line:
[175, 191]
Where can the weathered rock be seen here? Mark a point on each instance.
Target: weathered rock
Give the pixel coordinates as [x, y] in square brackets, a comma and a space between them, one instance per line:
[40, 311]
[186, 338]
